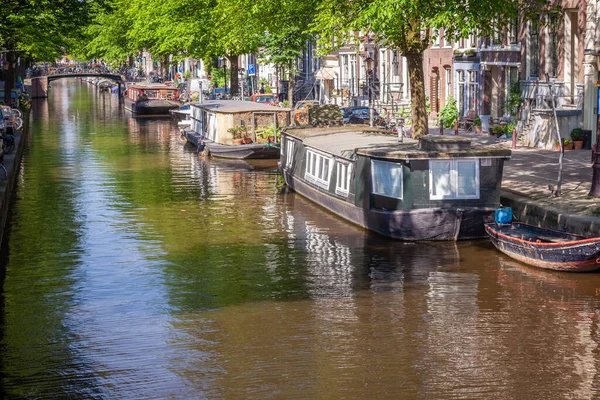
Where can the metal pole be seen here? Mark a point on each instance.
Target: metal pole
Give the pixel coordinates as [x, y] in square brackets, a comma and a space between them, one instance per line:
[370, 102]
[562, 153]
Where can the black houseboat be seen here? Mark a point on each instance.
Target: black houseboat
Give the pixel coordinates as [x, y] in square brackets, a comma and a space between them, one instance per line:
[437, 188]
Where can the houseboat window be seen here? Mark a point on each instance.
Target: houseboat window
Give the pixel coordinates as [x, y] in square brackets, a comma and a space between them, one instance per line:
[318, 169]
[387, 178]
[289, 153]
[453, 179]
[151, 94]
[343, 178]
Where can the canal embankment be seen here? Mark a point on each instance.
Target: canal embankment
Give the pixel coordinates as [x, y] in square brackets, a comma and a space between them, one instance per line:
[8, 178]
[530, 183]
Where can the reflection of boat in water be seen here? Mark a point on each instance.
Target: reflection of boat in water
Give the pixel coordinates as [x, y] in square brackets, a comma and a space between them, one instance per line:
[535, 282]
[334, 243]
[546, 248]
[250, 165]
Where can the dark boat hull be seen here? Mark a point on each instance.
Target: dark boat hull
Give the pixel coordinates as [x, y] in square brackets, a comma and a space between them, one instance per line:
[253, 151]
[546, 248]
[151, 108]
[431, 224]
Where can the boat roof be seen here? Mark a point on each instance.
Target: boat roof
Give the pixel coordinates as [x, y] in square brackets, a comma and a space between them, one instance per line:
[236, 106]
[349, 140]
[151, 86]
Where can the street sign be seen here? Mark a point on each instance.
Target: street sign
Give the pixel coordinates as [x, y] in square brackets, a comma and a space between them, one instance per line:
[251, 71]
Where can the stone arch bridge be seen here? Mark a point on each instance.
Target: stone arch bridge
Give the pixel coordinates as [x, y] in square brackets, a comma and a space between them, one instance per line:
[39, 84]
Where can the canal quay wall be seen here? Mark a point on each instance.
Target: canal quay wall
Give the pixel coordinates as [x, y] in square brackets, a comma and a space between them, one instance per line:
[536, 213]
[8, 183]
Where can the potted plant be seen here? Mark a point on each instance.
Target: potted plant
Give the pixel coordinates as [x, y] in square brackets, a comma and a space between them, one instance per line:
[557, 145]
[567, 144]
[577, 137]
[238, 133]
[477, 124]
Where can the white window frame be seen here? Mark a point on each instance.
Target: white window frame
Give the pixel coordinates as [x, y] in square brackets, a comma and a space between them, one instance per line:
[454, 180]
[373, 178]
[289, 153]
[314, 169]
[342, 185]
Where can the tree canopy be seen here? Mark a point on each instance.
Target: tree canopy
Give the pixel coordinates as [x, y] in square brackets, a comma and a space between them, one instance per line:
[409, 25]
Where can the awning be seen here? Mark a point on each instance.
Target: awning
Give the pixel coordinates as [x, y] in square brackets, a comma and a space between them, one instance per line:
[325, 74]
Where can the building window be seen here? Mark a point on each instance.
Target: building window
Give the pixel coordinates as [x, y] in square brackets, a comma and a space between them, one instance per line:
[462, 93]
[387, 179]
[318, 169]
[453, 179]
[553, 28]
[436, 39]
[534, 48]
[395, 62]
[344, 171]
[513, 32]
[472, 39]
[289, 153]
[448, 72]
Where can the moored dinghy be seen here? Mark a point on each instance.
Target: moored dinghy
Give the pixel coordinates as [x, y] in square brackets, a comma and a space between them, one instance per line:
[546, 248]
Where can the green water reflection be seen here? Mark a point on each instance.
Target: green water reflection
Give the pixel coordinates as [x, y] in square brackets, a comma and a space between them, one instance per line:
[137, 269]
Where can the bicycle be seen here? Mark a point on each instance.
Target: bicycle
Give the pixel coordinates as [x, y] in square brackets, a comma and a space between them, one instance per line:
[8, 144]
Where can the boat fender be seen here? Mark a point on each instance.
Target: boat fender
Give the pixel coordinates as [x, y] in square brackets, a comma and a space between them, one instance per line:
[503, 216]
[598, 260]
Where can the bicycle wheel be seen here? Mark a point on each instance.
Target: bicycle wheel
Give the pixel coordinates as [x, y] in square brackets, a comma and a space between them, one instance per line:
[17, 112]
[18, 123]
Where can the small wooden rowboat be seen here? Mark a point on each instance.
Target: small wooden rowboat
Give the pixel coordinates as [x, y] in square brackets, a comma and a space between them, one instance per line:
[546, 248]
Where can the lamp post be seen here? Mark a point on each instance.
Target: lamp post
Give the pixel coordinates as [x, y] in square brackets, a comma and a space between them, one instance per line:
[595, 190]
[369, 69]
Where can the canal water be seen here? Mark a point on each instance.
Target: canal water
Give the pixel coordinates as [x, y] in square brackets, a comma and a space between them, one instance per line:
[136, 269]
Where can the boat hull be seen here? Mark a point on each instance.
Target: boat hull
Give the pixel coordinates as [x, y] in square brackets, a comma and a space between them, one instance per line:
[545, 248]
[253, 151]
[151, 108]
[431, 224]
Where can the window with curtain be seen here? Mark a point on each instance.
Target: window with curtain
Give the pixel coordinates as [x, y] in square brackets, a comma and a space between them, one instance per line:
[344, 172]
[387, 179]
[453, 179]
[318, 169]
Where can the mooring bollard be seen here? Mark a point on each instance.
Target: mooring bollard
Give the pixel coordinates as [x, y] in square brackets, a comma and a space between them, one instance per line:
[514, 139]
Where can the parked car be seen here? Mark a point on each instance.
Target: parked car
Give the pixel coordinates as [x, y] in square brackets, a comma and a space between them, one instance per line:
[358, 115]
[265, 98]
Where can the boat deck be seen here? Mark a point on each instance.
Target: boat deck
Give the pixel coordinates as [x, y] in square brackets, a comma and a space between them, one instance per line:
[346, 141]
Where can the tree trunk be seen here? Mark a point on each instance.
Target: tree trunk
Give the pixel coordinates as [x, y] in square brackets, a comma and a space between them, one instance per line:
[164, 68]
[417, 93]
[291, 84]
[10, 77]
[234, 85]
